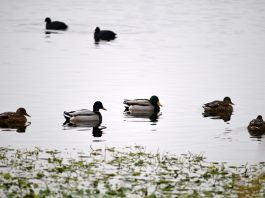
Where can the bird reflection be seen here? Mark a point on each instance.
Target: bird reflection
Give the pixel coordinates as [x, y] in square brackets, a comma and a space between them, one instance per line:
[97, 129]
[224, 116]
[152, 117]
[20, 128]
[256, 134]
[48, 33]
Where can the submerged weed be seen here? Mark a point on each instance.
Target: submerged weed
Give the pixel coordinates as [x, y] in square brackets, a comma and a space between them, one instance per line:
[128, 172]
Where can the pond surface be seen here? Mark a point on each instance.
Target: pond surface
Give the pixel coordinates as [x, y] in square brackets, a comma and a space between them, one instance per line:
[186, 52]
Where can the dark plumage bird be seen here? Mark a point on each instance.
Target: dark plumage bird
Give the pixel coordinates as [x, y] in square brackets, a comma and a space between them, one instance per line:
[256, 126]
[219, 109]
[12, 119]
[143, 106]
[55, 25]
[85, 116]
[218, 106]
[106, 35]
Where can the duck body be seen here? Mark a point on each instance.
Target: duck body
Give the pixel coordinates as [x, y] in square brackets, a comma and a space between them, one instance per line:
[85, 116]
[219, 107]
[143, 106]
[256, 126]
[55, 25]
[105, 35]
[13, 119]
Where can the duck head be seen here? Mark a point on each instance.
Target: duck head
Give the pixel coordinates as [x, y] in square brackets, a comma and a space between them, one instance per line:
[48, 20]
[228, 100]
[22, 111]
[155, 101]
[97, 30]
[259, 117]
[97, 106]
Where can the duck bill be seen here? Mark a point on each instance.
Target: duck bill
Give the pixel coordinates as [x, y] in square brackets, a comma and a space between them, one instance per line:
[104, 109]
[27, 115]
[232, 103]
[158, 103]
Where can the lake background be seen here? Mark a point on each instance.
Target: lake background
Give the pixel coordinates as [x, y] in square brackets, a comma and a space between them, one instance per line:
[185, 52]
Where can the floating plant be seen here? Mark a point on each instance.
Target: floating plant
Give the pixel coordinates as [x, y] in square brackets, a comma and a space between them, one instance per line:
[127, 172]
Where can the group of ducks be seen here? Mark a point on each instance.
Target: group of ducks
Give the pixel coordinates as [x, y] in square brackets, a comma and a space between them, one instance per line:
[136, 107]
[105, 35]
[223, 109]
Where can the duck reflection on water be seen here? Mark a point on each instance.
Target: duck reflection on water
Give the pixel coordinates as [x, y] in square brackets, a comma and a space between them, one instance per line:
[20, 128]
[133, 117]
[97, 129]
[223, 116]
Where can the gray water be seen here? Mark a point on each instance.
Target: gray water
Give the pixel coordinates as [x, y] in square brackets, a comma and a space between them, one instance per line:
[186, 52]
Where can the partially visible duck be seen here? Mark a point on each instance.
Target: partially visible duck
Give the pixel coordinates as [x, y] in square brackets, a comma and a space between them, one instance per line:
[85, 116]
[55, 25]
[13, 119]
[218, 106]
[106, 35]
[256, 126]
[143, 106]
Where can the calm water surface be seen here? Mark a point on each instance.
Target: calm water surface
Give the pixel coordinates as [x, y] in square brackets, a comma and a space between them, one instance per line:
[186, 52]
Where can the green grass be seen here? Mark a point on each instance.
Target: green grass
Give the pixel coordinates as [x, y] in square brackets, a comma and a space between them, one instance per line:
[127, 172]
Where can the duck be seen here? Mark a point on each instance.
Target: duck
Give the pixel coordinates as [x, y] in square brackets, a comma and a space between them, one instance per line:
[85, 116]
[106, 35]
[256, 126]
[143, 106]
[55, 25]
[13, 119]
[219, 107]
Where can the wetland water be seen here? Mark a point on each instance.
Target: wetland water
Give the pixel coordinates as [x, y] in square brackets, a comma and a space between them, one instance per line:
[186, 52]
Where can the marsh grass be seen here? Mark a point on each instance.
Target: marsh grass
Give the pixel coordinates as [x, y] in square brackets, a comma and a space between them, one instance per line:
[127, 172]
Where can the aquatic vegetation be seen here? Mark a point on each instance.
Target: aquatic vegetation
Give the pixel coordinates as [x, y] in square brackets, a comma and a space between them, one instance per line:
[127, 172]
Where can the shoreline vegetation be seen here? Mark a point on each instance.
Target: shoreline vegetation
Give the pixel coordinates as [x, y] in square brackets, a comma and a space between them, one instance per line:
[126, 172]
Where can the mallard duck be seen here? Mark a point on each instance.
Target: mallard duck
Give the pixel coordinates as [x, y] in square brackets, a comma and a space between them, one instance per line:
[13, 119]
[55, 25]
[106, 35]
[256, 126]
[218, 106]
[85, 116]
[143, 106]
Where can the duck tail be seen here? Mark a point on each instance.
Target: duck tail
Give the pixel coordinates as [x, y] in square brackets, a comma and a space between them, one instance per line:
[67, 117]
[126, 108]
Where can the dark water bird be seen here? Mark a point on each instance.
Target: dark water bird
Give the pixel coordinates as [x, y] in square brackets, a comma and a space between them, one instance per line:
[13, 119]
[219, 109]
[143, 106]
[218, 106]
[105, 35]
[256, 126]
[55, 25]
[85, 116]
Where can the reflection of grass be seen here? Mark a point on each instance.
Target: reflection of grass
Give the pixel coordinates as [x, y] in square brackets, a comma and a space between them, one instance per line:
[128, 172]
